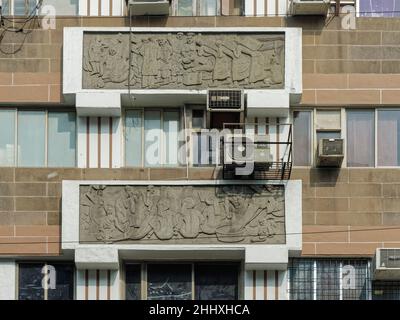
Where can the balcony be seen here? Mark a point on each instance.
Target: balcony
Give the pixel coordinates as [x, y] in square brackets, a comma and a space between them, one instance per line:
[246, 151]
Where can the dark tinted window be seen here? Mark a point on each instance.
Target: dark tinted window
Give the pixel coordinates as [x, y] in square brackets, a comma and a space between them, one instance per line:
[132, 282]
[169, 282]
[216, 282]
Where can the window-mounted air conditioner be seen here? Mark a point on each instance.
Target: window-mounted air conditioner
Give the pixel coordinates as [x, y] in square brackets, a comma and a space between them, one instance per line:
[386, 264]
[330, 153]
[148, 7]
[243, 148]
[309, 7]
[225, 100]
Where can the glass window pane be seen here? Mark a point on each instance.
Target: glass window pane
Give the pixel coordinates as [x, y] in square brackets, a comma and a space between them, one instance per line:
[24, 7]
[216, 282]
[7, 137]
[31, 138]
[61, 139]
[328, 281]
[185, 8]
[379, 8]
[171, 131]
[133, 138]
[152, 138]
[169, 282]
[132, 282]
[389, 138]
[197, 119]
[302, 138]
[64, 289]
[360, 138]
[301, 279]
[5, 9]
[30, 282]
[208, 7]
[63, 8]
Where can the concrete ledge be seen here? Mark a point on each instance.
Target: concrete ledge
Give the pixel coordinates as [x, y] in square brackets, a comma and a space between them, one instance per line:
[98, 257]
[101, 104]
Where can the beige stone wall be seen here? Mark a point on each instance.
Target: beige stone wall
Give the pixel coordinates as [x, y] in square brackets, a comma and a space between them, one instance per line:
[345, 212]
[340, 67]
[349, 211]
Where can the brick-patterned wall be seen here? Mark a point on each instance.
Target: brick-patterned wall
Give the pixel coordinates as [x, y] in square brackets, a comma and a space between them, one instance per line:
[340, 67]
[345, 212]
[349, 211]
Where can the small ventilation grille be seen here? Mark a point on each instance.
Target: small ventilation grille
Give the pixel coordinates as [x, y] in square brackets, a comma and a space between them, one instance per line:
[225, 100]
[332, 147]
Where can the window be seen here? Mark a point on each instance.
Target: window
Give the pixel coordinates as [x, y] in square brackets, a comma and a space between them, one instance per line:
[329, 279]
[42, 138]
[61, 139]
[197, 7]
[63, 8]
[379, 8]
[27, 7]
[7, 138]
[216, 282]
[360, 138]
[152, 138]
[31, 138]
[302, 138]
[24, 7]
[388, 138]
[133, 282]
[183, 281]
[169, 282]
[32, 284]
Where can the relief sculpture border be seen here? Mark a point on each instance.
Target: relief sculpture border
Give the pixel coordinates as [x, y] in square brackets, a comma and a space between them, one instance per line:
[241, 214]
[183, 60]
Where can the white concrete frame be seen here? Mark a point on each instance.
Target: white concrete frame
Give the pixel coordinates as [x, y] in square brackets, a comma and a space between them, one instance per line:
[107, 102]
[256, 257]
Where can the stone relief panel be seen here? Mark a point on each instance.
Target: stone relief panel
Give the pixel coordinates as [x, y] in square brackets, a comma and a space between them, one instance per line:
[249, 214]
[183, 60]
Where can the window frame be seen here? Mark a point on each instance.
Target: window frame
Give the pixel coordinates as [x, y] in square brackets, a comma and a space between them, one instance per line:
[312, 134]
[45, 263]
[376, 137]
[340, 261]
[46, 140]
[142, 110]
[196, 9]
[143, 274]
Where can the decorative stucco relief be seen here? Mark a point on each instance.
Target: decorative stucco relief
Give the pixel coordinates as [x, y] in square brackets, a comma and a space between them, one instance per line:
[182, 214]
[183, 60]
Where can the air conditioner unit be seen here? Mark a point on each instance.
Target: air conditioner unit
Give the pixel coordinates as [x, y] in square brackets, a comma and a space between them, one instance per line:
[386, 264]
[242, 148]
[148, 7]
[330, 153]
[225, 100]
[309, 7]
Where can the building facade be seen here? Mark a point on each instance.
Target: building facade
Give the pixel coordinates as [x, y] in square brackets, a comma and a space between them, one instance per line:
[199, 149]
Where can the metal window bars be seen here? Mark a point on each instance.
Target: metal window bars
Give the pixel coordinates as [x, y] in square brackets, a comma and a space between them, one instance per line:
[267, 147]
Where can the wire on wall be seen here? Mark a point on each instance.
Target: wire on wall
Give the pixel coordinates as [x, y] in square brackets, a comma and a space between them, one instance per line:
[16, 25]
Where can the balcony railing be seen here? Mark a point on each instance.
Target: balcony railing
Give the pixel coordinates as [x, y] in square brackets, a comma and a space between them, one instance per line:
[246, 151]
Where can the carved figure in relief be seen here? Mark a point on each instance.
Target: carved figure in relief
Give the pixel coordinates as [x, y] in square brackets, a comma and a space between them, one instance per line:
[226, 214]
[176, 60]
[191, 219]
